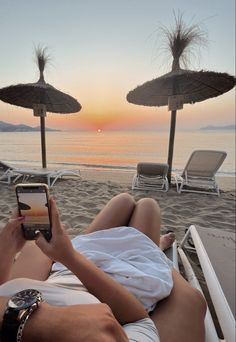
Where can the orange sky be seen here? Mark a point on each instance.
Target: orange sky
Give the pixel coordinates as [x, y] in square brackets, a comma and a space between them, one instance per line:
[108, 113]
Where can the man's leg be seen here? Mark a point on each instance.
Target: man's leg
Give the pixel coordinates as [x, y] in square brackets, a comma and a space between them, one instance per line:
[180, 317]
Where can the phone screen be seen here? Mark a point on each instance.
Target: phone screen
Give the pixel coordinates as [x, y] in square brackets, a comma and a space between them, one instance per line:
[33, 204]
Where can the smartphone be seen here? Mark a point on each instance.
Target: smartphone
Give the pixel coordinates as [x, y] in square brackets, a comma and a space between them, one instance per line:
[33, 204]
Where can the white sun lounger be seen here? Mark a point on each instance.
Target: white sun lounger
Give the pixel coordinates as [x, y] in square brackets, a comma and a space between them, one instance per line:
[151, 176]
[199, 172]
[215, 249]
[12, 174]
[9, 173]
[172, 254]
[51, 175]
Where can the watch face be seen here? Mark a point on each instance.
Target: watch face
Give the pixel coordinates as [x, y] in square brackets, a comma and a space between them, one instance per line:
[24, 299]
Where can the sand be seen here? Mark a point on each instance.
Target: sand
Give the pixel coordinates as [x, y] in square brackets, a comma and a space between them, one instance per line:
[79, 200]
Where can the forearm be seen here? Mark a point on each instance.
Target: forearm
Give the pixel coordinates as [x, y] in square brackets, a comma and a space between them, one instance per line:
[77, 323]
[37, 327]
[125, 307]
[7, 259]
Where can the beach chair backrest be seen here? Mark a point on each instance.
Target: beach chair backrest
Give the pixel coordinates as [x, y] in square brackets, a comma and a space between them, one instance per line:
[4, 166]
[204, 163]
[152, 169]
[215, 250]
[220, 247]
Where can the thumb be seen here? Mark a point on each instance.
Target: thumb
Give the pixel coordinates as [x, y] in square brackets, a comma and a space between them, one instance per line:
[55, 217]
[41, 242]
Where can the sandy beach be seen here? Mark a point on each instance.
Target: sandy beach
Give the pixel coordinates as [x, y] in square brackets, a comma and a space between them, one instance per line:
[79, 200]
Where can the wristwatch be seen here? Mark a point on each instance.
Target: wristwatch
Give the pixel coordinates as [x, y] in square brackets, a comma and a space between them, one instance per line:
[19, 308]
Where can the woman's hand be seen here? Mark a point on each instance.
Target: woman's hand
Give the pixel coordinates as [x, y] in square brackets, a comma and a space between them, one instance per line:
[59, 248]
[11, 242]
[11, 237]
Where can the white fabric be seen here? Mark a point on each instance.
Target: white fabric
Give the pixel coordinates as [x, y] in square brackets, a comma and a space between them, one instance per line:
[131, 258]
[59, 295]
[142, 331]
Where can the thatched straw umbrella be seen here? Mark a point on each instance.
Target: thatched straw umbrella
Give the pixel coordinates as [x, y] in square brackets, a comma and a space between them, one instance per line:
[180, 85]
[41, 97]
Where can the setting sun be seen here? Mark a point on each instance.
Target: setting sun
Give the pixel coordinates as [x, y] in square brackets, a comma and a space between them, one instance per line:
[99, 130]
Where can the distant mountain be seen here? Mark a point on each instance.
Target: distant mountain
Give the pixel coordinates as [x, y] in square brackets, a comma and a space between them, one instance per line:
[217, 128]
[7, 127]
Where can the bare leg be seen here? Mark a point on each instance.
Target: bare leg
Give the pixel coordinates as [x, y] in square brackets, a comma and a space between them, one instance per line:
[32, 263]
[180, 317]
[116, 213]
[122, 210]
[174, 316]
[147, 219]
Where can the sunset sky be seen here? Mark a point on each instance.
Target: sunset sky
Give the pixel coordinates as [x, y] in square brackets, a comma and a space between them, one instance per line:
[101, 49]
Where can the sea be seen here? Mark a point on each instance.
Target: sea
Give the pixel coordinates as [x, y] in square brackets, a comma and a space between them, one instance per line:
[114, 150]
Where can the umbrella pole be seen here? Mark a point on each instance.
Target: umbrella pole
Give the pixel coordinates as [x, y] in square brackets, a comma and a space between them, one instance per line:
[43, 141]
[171, 143]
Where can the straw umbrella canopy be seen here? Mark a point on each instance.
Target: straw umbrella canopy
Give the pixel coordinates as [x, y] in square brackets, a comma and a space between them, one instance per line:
[180, 86]
[41, 97]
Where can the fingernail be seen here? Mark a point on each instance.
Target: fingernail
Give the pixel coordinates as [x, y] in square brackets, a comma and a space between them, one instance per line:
[20, 218]
[37, 232]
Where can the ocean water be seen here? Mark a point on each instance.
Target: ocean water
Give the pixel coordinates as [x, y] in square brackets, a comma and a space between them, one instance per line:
[114, 150]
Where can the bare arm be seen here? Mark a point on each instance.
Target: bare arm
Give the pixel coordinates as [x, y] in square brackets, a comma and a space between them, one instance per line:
[125, 307]
[92, 322]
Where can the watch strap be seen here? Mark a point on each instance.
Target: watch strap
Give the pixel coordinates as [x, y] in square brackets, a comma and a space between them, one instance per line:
[10, 326]
[22, 325]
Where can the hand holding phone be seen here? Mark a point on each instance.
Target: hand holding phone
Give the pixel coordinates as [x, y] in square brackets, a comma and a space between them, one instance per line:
[33, 204]
[60, 247]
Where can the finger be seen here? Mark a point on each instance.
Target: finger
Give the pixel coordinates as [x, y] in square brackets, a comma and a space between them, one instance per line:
[55, 217]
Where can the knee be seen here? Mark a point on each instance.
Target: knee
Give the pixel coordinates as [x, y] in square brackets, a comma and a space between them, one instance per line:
[149, 203]
[126, 199]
